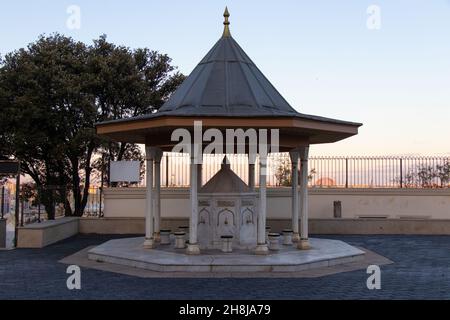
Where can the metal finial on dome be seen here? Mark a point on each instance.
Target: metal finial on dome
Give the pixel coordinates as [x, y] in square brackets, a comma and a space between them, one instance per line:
[225, 162]
[226, 23]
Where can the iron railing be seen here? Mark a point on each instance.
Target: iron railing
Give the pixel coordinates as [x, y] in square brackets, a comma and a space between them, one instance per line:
[31, 211]
[324, 172]
[380, 172]
[336, 172]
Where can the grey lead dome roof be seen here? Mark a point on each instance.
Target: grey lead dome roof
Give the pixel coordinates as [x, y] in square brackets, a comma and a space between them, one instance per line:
[227, 83]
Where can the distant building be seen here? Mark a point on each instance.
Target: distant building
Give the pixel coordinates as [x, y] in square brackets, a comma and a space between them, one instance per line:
[325, 182]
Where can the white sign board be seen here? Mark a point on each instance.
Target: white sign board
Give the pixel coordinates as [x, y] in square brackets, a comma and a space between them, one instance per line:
[124, 171]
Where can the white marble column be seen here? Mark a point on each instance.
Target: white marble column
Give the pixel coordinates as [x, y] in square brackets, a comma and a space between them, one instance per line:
[294, 195]
[262, 247]
[251, 176]
[193, 247]
[157, 195]
[199, 176]
[149, 242]
[303, 244]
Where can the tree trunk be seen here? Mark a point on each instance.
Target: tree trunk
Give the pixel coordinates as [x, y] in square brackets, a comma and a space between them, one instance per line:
[123, 147]
[81, 198]
[48, 200]
[76, 187]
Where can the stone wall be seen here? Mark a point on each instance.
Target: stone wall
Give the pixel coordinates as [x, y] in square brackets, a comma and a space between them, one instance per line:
[356, 203]
[39, 235]
[316, 226]
[364, 211]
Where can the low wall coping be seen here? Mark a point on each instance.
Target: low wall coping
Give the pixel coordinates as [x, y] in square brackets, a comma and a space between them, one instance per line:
[49, 223]
[139, 192]
[271, 219]
[375, 219]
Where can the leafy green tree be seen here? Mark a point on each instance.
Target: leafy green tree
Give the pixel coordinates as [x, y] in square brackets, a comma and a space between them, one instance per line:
[129, 84]
[54, 91]
[425, 175]
[443, 173]
[31, 81]
[283, 173]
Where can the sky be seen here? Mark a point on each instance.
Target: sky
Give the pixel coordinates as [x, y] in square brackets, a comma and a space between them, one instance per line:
[383, 63]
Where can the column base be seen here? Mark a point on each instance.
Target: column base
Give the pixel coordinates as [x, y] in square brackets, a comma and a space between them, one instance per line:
[295, 237]
[157, 237]
[262, 249]
[303, 244]
[149, 244]
[193, 249]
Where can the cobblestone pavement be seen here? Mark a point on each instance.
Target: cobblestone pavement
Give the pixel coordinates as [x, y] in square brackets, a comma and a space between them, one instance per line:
[421, 270]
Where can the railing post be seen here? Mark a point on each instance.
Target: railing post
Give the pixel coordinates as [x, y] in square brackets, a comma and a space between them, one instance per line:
[39, 203]
[16, 213]
[346, 173]
[401, 173]
[108, 177]
[3, 201]
[101, 190]
[167, 170]
[21, 211]
[102, 182]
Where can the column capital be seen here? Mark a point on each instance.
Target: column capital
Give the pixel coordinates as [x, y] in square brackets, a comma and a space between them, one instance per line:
[263, 159]
[294, 154]
[304, 153]
[251, 176]
[251, 159]
[153, 153]
[196, 153]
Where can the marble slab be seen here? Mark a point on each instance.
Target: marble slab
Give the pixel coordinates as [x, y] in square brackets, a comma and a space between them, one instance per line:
[130, 252]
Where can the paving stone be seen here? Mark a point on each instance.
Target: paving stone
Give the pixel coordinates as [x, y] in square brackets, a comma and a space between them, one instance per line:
[421, 270]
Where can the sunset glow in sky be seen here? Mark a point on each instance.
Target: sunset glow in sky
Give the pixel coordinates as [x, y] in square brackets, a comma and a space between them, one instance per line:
[321, 55]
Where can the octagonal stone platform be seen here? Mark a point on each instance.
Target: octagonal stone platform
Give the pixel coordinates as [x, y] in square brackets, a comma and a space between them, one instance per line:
[129, 252]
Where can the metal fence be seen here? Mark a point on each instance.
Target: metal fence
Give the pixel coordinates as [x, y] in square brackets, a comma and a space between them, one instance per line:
[31, 211]
[324, 172]
[380, 172]
[94, 206]
[336, 172]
